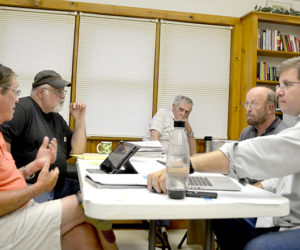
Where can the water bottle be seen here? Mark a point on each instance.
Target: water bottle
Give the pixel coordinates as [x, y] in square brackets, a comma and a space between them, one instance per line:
[208, 143]
[178, 162]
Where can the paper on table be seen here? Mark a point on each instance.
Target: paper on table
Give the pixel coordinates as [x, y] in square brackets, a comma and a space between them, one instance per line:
[90, 156]
[148, 146]
[117, 180]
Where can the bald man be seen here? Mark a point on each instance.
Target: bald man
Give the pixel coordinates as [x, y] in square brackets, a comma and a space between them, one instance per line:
[260, 113]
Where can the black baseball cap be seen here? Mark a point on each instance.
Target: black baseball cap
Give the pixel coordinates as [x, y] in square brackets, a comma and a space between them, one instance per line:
[50, 77]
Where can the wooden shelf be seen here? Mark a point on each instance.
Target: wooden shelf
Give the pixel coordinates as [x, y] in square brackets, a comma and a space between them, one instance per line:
[274, 53]
[265, 82]
[250, 53]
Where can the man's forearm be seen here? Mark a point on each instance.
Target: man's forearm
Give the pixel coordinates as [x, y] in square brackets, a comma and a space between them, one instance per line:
[154, 136]
[13, 199]
[192, 145]
[79, 138]
[213, 162]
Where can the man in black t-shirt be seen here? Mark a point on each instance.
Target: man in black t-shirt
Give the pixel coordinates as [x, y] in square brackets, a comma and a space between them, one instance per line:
[37, 116]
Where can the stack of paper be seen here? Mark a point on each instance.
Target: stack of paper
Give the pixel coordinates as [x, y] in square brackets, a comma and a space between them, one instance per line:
[117, 180]
[149, 148]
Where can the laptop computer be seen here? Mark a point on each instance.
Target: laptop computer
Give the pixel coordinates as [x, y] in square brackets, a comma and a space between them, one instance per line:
[213, 183]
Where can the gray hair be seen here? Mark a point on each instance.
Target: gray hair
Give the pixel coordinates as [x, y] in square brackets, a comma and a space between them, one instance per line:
[35, 90]
[5, 77]
[271, 98]
[182, 98]
[288, 64]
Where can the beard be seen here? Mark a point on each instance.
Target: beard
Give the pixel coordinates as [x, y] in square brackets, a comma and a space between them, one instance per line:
[59, 107]
[257, 120]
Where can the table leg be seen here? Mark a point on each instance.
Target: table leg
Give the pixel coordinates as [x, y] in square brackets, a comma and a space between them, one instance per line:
[152, 231]
[208, 235]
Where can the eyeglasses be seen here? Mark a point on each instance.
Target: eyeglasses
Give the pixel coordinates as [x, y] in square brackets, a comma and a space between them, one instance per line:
[285, 85]
[58, 92]
[252, 105]
[17, 91]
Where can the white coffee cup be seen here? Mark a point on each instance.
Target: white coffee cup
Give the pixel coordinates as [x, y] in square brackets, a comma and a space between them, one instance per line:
[104, 147]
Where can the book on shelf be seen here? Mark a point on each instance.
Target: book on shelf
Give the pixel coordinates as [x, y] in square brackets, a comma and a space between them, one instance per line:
[274, 40]
[266, 72]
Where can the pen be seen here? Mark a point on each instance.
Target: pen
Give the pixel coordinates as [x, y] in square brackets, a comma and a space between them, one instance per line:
[212, 195]
[161, 162]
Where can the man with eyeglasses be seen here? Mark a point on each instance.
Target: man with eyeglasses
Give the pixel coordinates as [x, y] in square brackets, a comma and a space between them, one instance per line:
[35, 117]
[260, 114]
[262, 157]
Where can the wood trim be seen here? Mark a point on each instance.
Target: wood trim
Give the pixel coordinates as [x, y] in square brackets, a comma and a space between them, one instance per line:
[122, 11]
[156, 68]
[235, 85]
[74, 66]
[249, 60]
[274, 18]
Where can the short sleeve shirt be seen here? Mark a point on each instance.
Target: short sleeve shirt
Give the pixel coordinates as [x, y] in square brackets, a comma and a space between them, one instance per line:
[25, 133]
[163, 122]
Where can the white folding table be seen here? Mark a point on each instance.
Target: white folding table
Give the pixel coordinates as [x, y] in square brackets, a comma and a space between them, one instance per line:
[141, 204]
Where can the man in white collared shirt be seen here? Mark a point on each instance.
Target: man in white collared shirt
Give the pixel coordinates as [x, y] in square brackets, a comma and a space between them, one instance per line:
[262, 157]
[163, 122]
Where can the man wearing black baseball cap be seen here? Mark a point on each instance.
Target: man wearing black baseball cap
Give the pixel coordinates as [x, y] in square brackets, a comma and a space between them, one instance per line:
[36, 117]
[50, 77]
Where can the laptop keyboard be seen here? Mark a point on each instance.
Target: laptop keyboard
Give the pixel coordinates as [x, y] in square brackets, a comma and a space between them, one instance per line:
[195, 181]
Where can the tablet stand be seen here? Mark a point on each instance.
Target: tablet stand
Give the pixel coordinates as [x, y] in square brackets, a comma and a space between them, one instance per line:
[128, 169]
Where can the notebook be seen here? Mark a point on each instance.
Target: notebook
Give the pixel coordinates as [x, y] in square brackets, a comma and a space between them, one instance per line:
[217, 183]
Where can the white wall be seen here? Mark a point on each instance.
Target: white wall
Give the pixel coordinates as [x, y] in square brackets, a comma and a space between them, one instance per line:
[233, 8]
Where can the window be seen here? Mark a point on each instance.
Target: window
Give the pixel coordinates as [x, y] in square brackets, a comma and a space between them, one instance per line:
[32, 41]
[195, 61]
[115, 74]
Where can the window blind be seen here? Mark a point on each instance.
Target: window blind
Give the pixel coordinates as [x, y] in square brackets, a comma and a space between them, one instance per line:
[33, 40]
[115, 74]
[195, 61]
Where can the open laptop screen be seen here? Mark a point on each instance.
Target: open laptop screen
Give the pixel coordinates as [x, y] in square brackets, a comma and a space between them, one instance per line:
[120, 157]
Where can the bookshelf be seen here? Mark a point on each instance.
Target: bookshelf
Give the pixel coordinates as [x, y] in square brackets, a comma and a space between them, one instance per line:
[251, 54]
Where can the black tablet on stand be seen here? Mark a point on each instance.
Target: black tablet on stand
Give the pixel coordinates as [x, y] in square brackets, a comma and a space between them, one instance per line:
[117, 162]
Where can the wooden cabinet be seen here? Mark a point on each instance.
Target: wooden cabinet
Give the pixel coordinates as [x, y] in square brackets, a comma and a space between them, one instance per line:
[250, 24]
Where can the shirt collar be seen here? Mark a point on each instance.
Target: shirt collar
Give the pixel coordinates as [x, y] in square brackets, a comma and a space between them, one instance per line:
[270, 128]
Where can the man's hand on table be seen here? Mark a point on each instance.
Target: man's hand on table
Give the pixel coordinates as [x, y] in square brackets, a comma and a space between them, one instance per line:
[157, 180]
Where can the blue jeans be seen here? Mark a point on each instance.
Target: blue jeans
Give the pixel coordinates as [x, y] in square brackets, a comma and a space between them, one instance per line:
[288, 239]
[234, 234]
[71, 186]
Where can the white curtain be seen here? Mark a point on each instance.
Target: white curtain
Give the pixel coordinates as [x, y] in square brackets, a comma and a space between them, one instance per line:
[33, 40]
[115, 74]
[195, 61]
